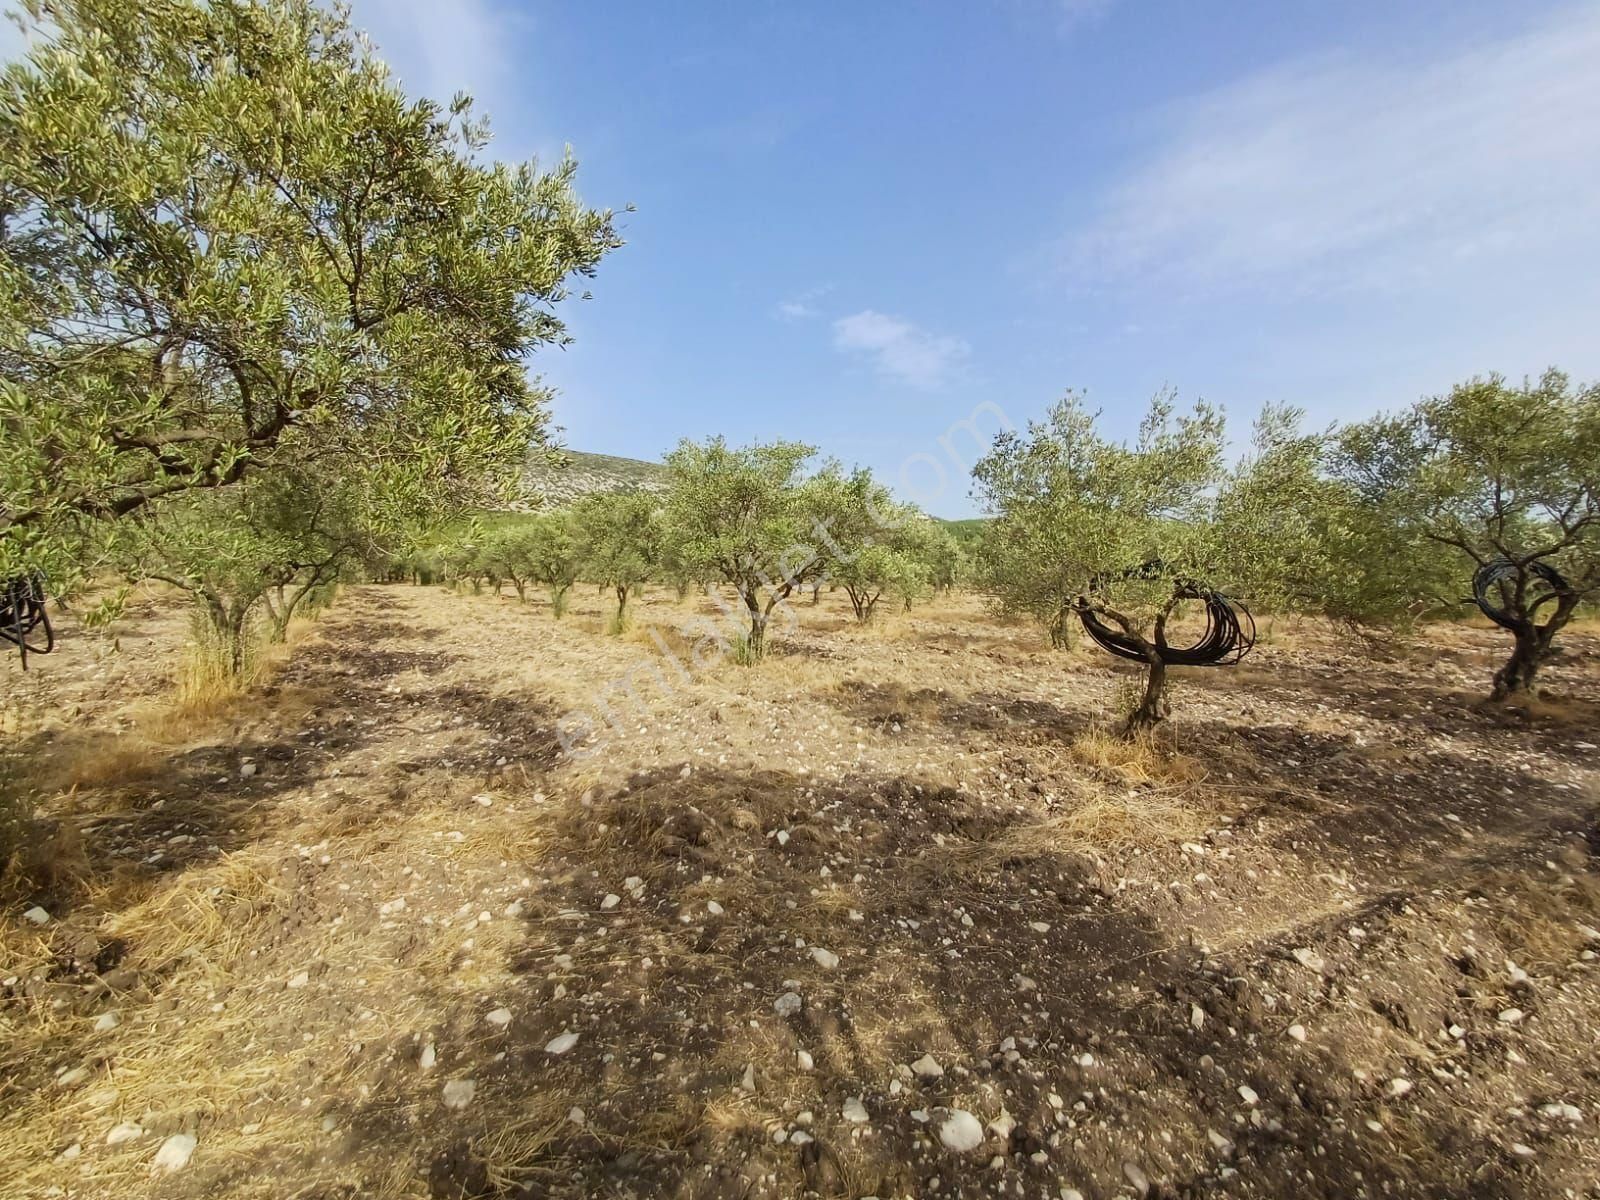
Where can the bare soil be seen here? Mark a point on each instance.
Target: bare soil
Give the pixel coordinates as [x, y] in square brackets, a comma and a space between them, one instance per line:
[1334, 937]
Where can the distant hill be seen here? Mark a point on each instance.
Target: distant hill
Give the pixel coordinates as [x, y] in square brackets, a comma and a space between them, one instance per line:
[586, 474]
[590, 473]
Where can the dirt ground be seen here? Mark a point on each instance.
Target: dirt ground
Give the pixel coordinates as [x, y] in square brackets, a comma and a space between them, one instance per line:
[889, 915]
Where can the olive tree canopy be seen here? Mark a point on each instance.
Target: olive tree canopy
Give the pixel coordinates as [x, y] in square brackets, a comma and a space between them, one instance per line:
[228, 241]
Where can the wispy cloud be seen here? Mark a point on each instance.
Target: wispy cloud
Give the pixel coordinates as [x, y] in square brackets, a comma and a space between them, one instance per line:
[899, 349]
[437, 48]
[1339, 172]
[802, 307]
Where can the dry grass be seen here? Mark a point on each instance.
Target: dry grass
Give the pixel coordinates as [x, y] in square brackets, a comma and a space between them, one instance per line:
[1145, 760]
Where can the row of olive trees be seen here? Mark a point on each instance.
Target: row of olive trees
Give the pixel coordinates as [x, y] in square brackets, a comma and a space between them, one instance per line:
[755, 519]
[1378, 523]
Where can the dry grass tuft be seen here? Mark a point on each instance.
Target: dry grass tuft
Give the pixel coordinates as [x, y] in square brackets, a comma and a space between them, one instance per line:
[213, 913]
[1137, 761]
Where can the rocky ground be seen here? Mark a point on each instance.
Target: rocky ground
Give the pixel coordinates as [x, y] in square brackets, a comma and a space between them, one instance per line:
[889, 915]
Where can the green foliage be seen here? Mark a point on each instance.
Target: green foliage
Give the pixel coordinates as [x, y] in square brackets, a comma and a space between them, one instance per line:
[229, 243]
[1086, 524]
[1488, 471]
[753, 518]
[621, 541]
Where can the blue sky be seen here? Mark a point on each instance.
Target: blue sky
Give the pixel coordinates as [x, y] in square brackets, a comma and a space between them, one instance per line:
[856, 222]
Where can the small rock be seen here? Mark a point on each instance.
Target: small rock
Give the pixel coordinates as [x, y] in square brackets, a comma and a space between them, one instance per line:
[1197, 1016]
[1564, 1112]
[1511, 1016]
[1219, 1143]
[826, 959]
[561, 1043]
[174, 1154]
[1310, 959]
[298, 980]
[854, 1111]
[1297, 1032]
[576, 1115]
[713, 908]
[803, 1057]
[1399, 1086]
[72, 1078]
[787, 1005]
[1039, 926]
[1134, 1174]
[960, 1131]
[1522, 1149]
[1002, 1125]
[128, 1131]
[247, 770]
[927, 1067]
[1248, 1094]
[500, 1017]
[611, 901]
[458, 1093]
[428, 1057]
[36, 916]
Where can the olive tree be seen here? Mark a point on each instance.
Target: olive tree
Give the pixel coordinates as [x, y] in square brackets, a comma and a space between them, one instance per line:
[1495, 475]
[229, 243]
[752, 517]
[620, 543]
[555, 554]
[1127, 533]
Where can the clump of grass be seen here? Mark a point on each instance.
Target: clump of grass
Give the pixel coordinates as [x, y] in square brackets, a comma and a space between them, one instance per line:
[215, 911]
[216, 668]
[1139, 760]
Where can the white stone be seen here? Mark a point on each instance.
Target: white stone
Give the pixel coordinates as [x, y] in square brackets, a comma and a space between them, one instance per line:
[247, 770]
[826, 959]
[1399, 1086]
[1248, 1094]
[1002, 1125]
[610, 902]
[1039, 926]
[854, 1111]
[748, 1082]
[428, 1057]
[174, 1153]
[128, 1131]
[500, 1017]
[561, 1043]
[1511, 1016]
[298, 980]
[458, 1093]
[803, 1057]
[1197, 1016]
[927, 1067]
[713, 908]
[1297, 1032]
[36, 916]
[576, 1115]
[787, 1005]
[1522, 1149]
[960, 1131]
[73, 1077]
[1310, 959]
[1564, 1112]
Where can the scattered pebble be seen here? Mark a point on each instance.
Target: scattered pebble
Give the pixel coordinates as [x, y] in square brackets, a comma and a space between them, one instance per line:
[927, 1067]
[174, 1154]
[458, 1093]
[561, 1043]
[960, 1131]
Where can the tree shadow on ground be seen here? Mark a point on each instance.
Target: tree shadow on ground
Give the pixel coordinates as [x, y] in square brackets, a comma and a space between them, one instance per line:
[975, 926]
